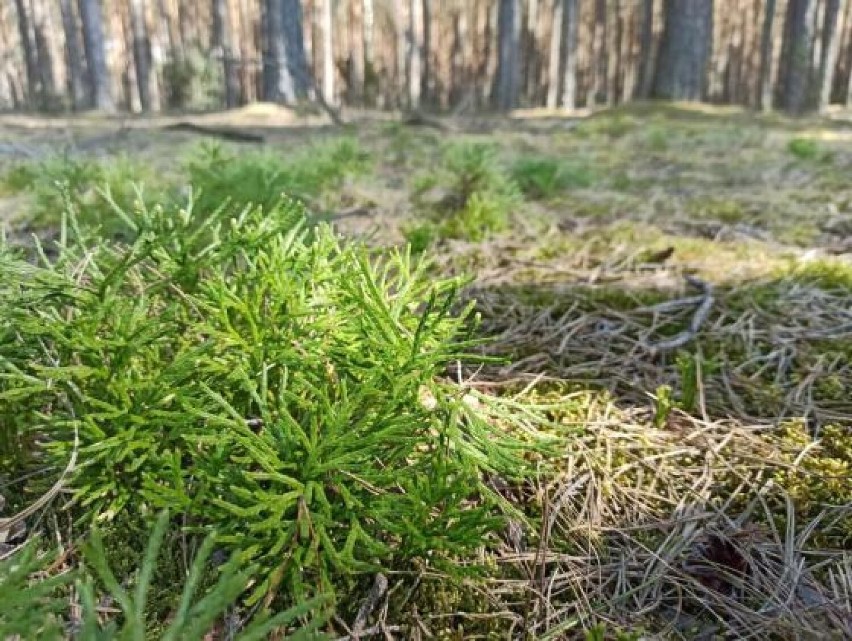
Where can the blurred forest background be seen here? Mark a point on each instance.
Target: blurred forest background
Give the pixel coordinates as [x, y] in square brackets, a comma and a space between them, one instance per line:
[160, 55]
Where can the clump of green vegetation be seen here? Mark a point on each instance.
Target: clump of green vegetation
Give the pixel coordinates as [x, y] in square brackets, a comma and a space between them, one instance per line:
[96, 191]
[540, 177]
[477, 193]
[827, 274]
[804, 148]
[819, 479]
[726, 210]
[242, 372]
[19, 177]
[614, 125]
[222, 175]
[34, 605]
[421, 236]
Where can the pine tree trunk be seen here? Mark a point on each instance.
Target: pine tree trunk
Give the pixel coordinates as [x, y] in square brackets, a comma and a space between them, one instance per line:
[646, 64]
[570, 31]
[368, 37]
[327, 52]
[600, 56]
[554, 55]
[685, 50]
[30, 58]
[41, 29]
[95, 47]
[458, 59]
[221, 44]
[73, 55]
[797, 87]
[765, 74]
[830, 50]
[401, 53]
[294, 41]
[414, 62]
[277, 81]
[426, 77]
[141, 52]
[506, 81]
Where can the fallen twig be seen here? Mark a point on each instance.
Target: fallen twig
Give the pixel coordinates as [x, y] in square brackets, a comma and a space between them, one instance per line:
[698, 318]
[380, 586]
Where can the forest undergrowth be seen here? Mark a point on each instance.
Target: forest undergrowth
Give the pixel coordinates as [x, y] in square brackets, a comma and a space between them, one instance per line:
[547, 380]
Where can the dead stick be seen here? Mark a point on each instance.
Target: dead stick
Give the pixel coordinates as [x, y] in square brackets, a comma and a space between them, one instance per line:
[380, 586]
[698, 319]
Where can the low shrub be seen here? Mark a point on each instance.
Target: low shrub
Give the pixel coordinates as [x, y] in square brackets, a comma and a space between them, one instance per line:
[36, 605]
[477, 194]
[220, 175]
[540, 177]
[95, 191]
[246, 372]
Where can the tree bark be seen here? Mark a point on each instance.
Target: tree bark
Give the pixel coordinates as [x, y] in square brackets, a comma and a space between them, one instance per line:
[141, 52]
[30, 58]
[646, 64]
[327, 28]
[93, 43]
[797, 88]
[73, 55]
[570, 30]
[506, 82]
[369, 19]
[426, 77]
[685, 50]
[554, 55]
[221, 44]
[294, 41]
[600, 55]
[414, 62]
[765, 74]
[41, 28]
[278, 85]
[830, 50]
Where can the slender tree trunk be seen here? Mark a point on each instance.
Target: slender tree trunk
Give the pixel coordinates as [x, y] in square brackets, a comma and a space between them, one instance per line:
[765, 75]
[355, 60]
[141, 52]
[94, 45]
[327, 51]
[830, 50]
[426, 79]
[570, 31]
[685, 50]
[277, 81]
[646, 64]
[221, 45]
[797, 88]
[368, 37]
[73, 55]
[294, 41]
[30, 58]
[506, 82]
[600, 56]
[458, 59]
[401, 53]
[554, 57]
[41, 29]
[414, 63]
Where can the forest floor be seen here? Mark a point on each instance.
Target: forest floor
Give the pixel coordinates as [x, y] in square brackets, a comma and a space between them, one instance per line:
[679, 279]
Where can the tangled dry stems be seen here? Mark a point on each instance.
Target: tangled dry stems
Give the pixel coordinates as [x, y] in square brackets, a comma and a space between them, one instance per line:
[681, 527]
